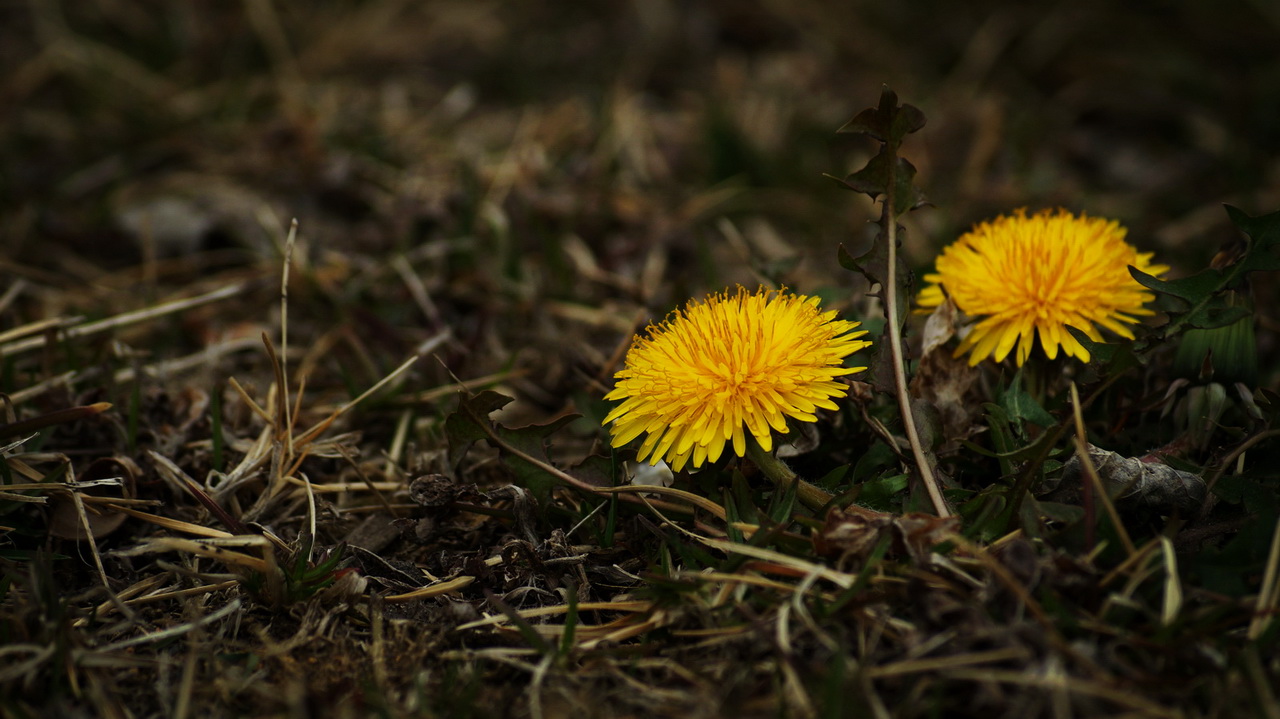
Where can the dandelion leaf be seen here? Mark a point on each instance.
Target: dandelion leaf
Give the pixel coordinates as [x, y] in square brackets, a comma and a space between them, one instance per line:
[874, 266]
[523, 449]
[597, 470]
[882, 493]
[1201, 300]
[1194, 301]
[1105, 358]
[1021, 407]
[882, 170]
[1262, 249]
[889, 122]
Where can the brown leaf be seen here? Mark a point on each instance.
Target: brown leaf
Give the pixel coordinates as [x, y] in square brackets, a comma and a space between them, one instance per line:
[951, 386]
[851, 535]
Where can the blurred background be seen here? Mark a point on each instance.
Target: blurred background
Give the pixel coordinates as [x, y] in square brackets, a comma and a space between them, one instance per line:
[539, 179]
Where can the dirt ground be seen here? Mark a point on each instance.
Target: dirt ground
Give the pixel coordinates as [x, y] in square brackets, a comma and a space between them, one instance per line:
[307, 312]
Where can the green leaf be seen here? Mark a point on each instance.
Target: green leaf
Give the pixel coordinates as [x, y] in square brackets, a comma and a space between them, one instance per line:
[1062, 513]
[1190, 290]
[1264, 239]
[1202, 300]
[984, 514]
[880, 493]
[1223, 354]
[1196, 301]
[1022, 406]
[876, 459]
[470, 423]
[1109, 360]
[523, 449]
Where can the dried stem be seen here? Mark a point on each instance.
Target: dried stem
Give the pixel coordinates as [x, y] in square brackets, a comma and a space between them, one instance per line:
[890, 224]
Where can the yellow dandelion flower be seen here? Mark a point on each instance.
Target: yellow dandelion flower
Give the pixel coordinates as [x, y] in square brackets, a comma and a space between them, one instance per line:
[1038, 275]
[735, 361]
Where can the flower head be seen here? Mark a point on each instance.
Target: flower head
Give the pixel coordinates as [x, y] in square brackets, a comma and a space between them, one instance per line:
[1038, 275]
[735, 363]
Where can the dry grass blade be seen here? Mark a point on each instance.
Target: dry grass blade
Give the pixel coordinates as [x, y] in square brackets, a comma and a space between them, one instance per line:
[696, 500]
[1119, 696]
[434, 590]
[316, 430]
[62, 416]
[1171, 606]
[1267, 608]
[212, 618]
[128, 318]
[1006, 579]
[187, 485]
[639, 607]
[945, 664]
[732, 578]
[176, 525]
[795, 565]
[1099, 489]
[33, 328]
[452, 389]
[214, 548]
[166, 368]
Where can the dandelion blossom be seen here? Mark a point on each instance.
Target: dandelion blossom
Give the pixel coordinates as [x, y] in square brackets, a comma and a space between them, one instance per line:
[1036, 276]
[736, 363]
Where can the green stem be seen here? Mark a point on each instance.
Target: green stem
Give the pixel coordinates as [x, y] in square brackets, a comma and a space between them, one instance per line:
[780, 474]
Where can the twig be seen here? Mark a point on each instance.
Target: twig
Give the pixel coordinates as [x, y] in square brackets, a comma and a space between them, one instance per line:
[890, 224]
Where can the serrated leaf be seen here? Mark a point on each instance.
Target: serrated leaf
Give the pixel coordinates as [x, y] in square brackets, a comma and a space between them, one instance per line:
[470, 423]
[889, 122]
[1106, 358]
[1195, 301]
[874, 178]
[867, 122]
[597, 470]
[1262, 252]
[1189, 290]
[1199, 301]
[521, 448]
[874, 266]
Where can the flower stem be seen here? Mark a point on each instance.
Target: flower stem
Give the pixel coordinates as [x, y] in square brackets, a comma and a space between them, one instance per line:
[780, 474]
[890, 223]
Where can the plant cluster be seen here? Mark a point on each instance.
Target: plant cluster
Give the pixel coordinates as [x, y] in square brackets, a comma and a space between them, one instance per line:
[1036, 484]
